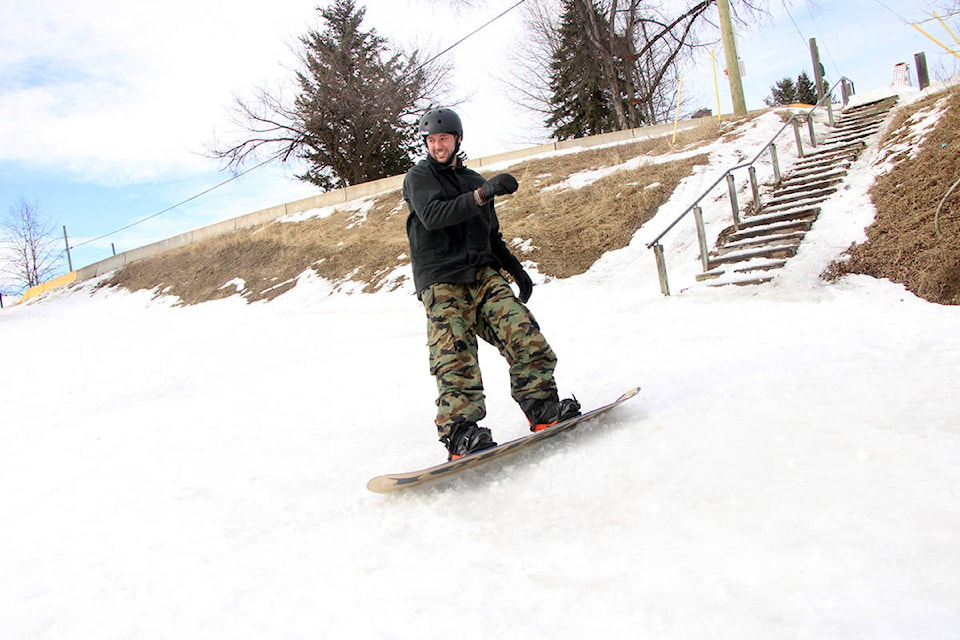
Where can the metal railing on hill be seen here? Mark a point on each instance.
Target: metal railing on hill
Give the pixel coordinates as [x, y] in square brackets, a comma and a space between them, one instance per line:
[795, 122]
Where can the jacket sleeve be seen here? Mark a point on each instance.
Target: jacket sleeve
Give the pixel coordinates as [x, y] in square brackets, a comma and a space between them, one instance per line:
[426, 198]
[508, 261]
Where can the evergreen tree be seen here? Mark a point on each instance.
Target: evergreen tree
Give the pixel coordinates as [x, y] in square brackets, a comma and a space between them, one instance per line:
[355, 116]
[782, 93]
[352, 97]
[579, 105]
[806, 90]
[786, 91]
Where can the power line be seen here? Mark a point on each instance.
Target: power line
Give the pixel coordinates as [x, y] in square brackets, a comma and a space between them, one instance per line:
[795, 25]
[182, 202]
[899, 17]
[475, 31]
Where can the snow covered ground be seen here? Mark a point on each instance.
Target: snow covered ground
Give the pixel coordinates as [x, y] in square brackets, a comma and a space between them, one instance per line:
[791, 468]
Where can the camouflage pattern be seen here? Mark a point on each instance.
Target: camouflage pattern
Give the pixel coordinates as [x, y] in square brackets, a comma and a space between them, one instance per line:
[456, 315]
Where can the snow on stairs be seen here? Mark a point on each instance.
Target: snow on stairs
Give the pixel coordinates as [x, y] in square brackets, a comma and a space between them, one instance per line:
[750, 252]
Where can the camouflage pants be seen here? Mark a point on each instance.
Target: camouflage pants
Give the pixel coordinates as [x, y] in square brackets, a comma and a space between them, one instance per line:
[456, 315]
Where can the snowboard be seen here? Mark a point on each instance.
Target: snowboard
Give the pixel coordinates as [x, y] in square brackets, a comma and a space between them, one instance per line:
[396, 481]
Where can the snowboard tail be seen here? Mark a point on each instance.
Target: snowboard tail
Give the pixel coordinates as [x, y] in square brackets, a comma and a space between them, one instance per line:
[396, 481]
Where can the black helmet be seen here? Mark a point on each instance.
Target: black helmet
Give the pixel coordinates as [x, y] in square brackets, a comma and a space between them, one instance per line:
[441, 120]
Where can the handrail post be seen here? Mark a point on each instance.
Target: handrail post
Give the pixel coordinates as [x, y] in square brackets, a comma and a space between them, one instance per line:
[752, 170]
[776, 162]
[702, 238]
[796, 136]
[734, 205]
[661, 269]
[846, 90]
[813, 136]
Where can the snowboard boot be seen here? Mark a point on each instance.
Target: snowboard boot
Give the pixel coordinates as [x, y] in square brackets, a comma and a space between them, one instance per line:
[467, 438]
[543, 413]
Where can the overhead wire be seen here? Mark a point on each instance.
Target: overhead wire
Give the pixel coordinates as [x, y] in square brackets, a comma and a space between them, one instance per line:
[795, 25]
[181, 203]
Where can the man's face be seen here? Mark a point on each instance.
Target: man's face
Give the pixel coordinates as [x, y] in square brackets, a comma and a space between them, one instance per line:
[442, 146]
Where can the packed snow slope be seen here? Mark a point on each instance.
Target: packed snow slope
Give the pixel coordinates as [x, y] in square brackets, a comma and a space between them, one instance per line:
[791, 468]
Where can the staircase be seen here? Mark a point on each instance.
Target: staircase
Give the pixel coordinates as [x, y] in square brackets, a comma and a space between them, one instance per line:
[750, 253]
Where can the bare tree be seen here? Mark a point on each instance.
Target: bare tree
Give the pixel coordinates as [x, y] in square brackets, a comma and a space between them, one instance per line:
[30, 246]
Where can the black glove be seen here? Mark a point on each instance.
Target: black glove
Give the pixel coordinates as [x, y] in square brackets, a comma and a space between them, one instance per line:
[499, 185]
[523, 281]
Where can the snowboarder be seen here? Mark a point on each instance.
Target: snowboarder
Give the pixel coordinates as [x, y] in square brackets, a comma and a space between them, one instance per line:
[457, 253]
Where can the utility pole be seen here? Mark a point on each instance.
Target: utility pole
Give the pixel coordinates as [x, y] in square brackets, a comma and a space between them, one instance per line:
[733, 60]
[66, 241]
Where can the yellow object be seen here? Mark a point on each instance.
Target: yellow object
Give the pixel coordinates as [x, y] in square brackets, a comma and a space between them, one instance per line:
[948, 49]
[49, 285]
[676, 119]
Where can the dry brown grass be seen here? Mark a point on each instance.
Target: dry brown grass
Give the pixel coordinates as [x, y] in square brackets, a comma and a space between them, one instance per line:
[902, 244]
[571, 228]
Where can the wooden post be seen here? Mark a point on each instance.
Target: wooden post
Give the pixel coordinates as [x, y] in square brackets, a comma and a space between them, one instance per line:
[923, 78]
[734, 205]
[846, 90]
[776, 163]
[661, 269]
[796, 136]
[702, 239]
[733, 60]
[818, 79]
[66, 241]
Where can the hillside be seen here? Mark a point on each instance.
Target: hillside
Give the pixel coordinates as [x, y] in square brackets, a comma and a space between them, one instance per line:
[564, 229]
[921, 158]
[790, 468]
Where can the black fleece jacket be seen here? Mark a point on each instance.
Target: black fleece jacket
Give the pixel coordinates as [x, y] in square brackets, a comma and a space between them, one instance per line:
[451, 236]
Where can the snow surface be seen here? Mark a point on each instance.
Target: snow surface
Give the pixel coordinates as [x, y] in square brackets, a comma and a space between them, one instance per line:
[791, 468]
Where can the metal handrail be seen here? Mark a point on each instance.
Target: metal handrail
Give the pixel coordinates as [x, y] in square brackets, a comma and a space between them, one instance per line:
[727, 175]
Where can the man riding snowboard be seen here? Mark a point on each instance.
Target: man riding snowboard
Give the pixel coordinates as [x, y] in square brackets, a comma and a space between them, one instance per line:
[458, 253]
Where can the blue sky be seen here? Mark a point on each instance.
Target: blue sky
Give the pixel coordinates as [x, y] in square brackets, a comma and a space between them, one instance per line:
[106, 109]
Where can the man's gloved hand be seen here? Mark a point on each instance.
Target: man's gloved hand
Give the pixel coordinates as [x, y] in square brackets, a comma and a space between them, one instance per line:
[523, 281]
[499, 185]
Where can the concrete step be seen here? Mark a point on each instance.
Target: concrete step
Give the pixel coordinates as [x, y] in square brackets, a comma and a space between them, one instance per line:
[803, 197]
[849, 128]
[789, 226]
[811, 183]
[781, 251]
[824, 153]
[745, 272]
[839, 168]
[853, 136]
[765, 218]
[755, 242]
[792, 179]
